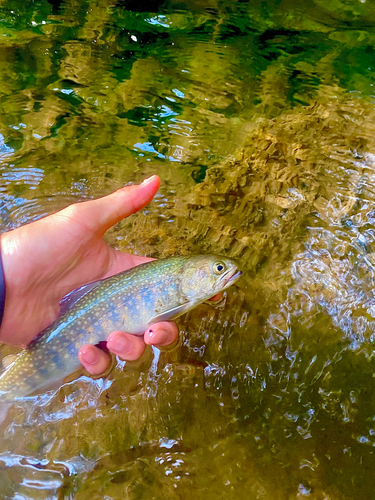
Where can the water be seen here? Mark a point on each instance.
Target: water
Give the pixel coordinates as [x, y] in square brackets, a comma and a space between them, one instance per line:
[259, 118]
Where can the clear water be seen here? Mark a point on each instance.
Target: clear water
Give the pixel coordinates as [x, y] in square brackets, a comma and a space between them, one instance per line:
[260, 119]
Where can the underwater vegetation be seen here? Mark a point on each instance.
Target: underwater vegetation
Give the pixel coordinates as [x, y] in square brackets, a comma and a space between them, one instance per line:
[259, 117]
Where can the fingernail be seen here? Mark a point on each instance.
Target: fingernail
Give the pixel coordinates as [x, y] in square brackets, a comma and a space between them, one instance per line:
[148, 180]
[118, 344]
[89, 356]
[162, 335]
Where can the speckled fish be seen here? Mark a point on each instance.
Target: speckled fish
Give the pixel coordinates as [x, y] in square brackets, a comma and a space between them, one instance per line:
[129, 301]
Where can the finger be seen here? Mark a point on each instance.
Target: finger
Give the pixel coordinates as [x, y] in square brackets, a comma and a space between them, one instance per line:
[104, 212]
[125, 201]
[93, 359]
[128, 347]
[163, 333]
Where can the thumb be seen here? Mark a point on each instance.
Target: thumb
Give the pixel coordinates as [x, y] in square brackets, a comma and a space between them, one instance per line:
[104, 212]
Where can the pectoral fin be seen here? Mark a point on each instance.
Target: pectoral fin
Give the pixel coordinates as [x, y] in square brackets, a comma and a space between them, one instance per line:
[219, 303]
[9, 360]
[171, 313]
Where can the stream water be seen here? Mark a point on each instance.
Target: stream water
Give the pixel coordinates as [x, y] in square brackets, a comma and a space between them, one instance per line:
[259, 117]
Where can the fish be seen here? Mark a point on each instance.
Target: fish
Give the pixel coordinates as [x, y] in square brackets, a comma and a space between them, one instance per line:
[129, 301]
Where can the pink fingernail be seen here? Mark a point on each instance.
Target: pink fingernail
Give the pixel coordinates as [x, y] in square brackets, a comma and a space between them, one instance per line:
[118, 344]
[89, 356]
[148, 180]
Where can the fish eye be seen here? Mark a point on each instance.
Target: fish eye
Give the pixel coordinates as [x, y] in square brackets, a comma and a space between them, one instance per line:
[219, 267]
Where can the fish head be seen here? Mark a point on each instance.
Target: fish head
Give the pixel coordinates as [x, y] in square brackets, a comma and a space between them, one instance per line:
[204, 276]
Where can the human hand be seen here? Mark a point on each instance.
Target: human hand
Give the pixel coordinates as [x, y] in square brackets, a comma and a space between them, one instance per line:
[46, 259]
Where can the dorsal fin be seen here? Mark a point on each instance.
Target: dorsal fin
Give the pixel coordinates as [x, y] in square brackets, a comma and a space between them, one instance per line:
[8, 360]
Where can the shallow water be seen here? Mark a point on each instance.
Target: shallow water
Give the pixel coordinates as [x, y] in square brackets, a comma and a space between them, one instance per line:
[259, 118]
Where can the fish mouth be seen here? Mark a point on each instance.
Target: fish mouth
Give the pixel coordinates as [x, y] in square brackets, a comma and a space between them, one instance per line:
[230, 277]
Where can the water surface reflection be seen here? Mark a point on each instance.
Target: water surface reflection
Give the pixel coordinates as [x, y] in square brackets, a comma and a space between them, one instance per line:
[264, 140]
